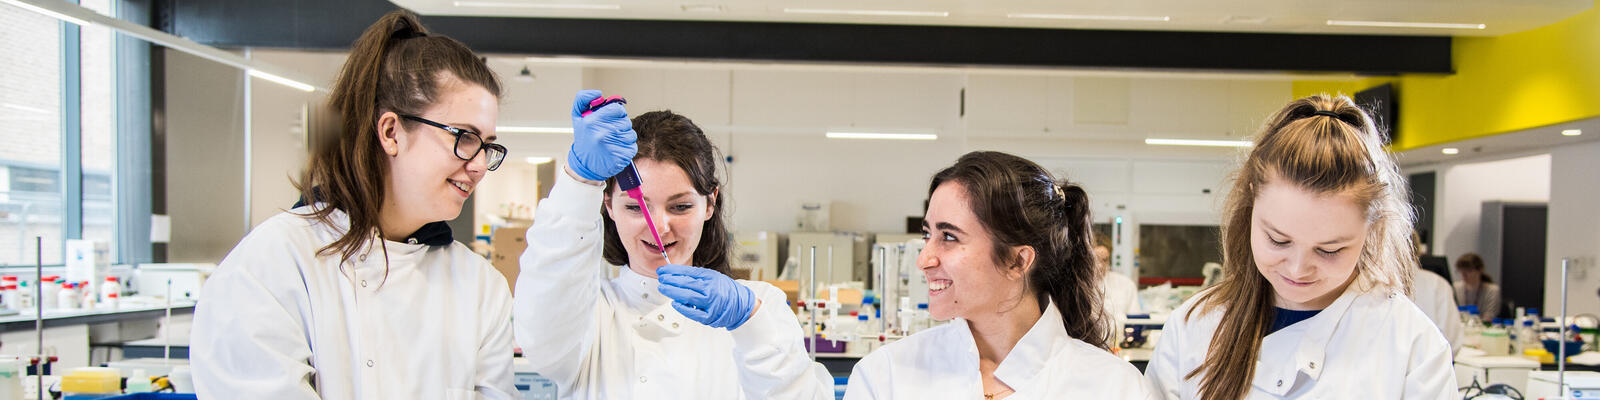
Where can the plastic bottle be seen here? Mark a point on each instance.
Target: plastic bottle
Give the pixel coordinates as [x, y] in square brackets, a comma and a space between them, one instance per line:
[51, 290]
[110, 287]
[867, 334]
[90, 298]
[1473, 328]
[924, 319]
[25, 297]
[907, 317]
[111, 301]
[67, 298]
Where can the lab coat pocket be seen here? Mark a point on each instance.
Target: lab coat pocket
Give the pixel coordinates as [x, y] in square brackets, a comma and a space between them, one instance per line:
[460, 394]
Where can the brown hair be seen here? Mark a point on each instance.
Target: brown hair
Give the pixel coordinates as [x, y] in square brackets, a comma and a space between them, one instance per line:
[1339, 153]
[1473, 261]
[670, 137]
[395, 66]
[1021, 204]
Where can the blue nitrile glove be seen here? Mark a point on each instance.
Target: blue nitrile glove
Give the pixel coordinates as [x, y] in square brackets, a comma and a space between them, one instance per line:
[706, 296]
[603, 142]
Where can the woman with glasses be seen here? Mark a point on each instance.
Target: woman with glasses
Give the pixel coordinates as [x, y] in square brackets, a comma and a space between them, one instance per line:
[362, 293]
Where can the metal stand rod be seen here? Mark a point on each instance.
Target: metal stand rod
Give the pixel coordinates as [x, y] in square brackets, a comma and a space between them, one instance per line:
[38, 315]
[166, 330]
[812, 298]
[883, 285]
[1561, 359]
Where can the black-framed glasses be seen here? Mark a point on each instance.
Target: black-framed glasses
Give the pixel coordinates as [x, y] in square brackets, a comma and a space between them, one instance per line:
[468, 143]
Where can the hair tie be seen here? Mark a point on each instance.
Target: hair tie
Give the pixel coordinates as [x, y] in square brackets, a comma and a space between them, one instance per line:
[1062, 195]
[409, 34]
[1327, 113]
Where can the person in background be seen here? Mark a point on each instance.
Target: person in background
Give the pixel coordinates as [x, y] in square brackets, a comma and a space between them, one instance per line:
[1121, 294]
[1010, 260]
[362, 293]
[1476, 288]
[601, 311]
[1316, 242]
[1432, 294]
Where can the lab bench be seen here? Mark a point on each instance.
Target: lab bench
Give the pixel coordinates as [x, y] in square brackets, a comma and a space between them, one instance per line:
[70, 335]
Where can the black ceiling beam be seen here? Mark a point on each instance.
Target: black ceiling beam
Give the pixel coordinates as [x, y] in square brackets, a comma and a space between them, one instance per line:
[321, 24]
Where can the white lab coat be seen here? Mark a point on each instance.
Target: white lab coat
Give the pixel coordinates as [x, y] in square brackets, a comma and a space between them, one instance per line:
[278, 322]
[1373, 345]
[942, 363]
[620, 339]
[1435, 297]
[1121, 298]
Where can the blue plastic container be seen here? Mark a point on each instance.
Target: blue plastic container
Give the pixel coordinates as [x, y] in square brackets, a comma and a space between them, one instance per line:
[153, 396]
[1553, 346]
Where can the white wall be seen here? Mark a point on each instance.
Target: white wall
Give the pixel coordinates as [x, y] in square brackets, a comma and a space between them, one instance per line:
[1574, 229]
[1464, 187]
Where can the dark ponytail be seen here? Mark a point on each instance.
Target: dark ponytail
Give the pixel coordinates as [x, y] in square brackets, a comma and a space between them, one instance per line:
[395, 66]
[1075, 285]
[1021, 204]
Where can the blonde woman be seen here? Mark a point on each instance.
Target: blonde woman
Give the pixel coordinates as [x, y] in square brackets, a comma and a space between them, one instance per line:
[1316, 245]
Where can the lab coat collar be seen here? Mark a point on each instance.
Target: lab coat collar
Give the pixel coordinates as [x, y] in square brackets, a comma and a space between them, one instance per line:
[435, 233]
[374, 254]
[640, 293]
[1307, 340]
[1034, 350]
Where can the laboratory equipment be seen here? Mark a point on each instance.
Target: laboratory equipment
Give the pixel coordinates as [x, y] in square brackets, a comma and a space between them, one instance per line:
[1579, 385]
[757, 252]
[88, 261]
[846, 257]
[1487, 370]
[91, 383]
[151, 279]
[813, 217]
[628, 180]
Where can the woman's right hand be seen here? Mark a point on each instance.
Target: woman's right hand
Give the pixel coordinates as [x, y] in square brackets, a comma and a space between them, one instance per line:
[603, 142]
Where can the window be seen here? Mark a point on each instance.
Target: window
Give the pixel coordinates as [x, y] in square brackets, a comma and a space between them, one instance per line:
[97, 113]
[30, 157]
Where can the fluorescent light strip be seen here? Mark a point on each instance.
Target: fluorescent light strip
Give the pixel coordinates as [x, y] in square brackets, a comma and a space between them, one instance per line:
[532, 129]
[282, 80]
[539, 160]
[1090, 17]
[37, 110]
[1572, 132]
[1195, 142]
[881, 13]
[882, 136]
[552, 6]
[1383, 24]
[1451, 151]
[47, 12]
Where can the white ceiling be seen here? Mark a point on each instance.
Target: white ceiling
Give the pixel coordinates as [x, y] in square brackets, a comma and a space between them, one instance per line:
[1541, 139]
[1280, 16]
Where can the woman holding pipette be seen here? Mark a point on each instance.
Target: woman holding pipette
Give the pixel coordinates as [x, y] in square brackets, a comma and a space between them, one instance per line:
[671, 323]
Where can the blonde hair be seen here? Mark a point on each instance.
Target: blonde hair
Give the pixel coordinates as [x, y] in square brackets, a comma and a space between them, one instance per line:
[1325, 145]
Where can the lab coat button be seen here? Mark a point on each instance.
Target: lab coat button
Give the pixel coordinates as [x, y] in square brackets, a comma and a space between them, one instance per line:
[1280, 383]
[411, 241]
[369, 363]
[363, 283]
[674, 325]
[363, 258]
[660, 317]
[1313, 365]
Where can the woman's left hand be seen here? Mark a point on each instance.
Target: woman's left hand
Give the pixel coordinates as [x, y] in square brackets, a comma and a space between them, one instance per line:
[707, 296]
